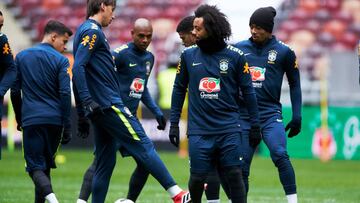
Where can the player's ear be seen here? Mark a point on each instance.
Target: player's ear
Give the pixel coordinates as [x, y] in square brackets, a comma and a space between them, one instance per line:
[53, 36]
[102, 6]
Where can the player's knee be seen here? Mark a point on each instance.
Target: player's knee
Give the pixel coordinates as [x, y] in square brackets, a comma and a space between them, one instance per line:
[196, 178]
[278, 155]
[149, 154]
[233, 172]
[212, 177]
[280, 159]
[141, 171]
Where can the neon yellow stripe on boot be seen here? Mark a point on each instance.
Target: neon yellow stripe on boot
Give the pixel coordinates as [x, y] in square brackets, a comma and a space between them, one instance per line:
[126, 123]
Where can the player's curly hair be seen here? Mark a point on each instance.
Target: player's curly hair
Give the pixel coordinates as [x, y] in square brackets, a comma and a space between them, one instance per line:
[215, 22]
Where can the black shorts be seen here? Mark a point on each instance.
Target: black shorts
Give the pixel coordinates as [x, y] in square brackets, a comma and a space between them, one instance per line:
[40, 143]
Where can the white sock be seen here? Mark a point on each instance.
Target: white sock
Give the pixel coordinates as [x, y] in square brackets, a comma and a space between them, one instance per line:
[80, 201]
[292, 198]
[230, 201]
[214, 201]
[51, 198]
[174, 190]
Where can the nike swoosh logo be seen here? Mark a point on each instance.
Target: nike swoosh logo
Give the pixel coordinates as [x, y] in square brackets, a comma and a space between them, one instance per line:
[247, 54]
[196, 64]
[132, 64]
[279, 120]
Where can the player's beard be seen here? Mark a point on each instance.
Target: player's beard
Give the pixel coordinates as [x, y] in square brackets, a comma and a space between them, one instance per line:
[211, 45]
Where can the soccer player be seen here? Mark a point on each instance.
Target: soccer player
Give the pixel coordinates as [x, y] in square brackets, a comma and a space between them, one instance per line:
[134, 64]
[184, 29]
[213, 72]
[7, 68]
[212, 184]
[269, 59]
[99, 90]
[43, 81]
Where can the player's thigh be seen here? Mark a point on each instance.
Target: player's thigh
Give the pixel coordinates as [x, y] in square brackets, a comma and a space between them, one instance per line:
[40, 145]
[274, 137]
[229, 150]
[246, 150]
[201, 152]
[53, 138]
[127, 132]
[105, 147]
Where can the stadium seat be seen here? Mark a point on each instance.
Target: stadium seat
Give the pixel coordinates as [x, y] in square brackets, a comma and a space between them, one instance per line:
[322, 15]
[335, 27]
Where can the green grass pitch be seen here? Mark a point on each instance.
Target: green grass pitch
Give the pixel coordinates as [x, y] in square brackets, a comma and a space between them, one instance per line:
[333, 182]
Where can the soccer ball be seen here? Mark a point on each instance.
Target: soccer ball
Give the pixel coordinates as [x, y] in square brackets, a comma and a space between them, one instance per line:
[123, 201]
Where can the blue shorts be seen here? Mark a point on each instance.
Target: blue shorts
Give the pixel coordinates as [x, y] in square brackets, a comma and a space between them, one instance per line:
[206, 151]
[40, 143]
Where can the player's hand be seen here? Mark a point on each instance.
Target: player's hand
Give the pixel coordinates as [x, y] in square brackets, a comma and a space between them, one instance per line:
[95, 111]
[161, 120]
[19, 127]
[254, 136]
[18, 121]
[17, 103]
[83, 127]
[174, 135]
[295, 127]
[66, 135]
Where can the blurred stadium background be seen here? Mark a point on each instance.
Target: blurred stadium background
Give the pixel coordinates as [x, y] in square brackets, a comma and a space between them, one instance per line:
[323, 33]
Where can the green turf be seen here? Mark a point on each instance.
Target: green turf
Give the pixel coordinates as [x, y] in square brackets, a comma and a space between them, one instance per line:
[333, 182]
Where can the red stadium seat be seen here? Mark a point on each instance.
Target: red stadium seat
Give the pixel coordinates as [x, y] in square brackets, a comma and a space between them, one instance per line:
[322, 15]
[349, 40]
[335, 27]
[300, 15]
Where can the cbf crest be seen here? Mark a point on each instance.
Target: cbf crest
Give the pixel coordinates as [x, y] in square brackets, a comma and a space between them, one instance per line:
[147, 64]
[224, 66]
[272, 56]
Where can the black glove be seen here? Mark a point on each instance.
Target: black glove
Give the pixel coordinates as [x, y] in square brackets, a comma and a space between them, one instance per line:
[19, 127]
[295, 127]
[161, 122]
[66, 135]
[83, 127]
[18, 120]
[174, 135]
[15, 97]
[254, 136]
[94, 110]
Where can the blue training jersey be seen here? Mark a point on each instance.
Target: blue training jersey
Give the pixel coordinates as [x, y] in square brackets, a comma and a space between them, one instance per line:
[44, 80]
[268, 64]
[7, 68]
[213, 82]
[133, 69]
[94, 73]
